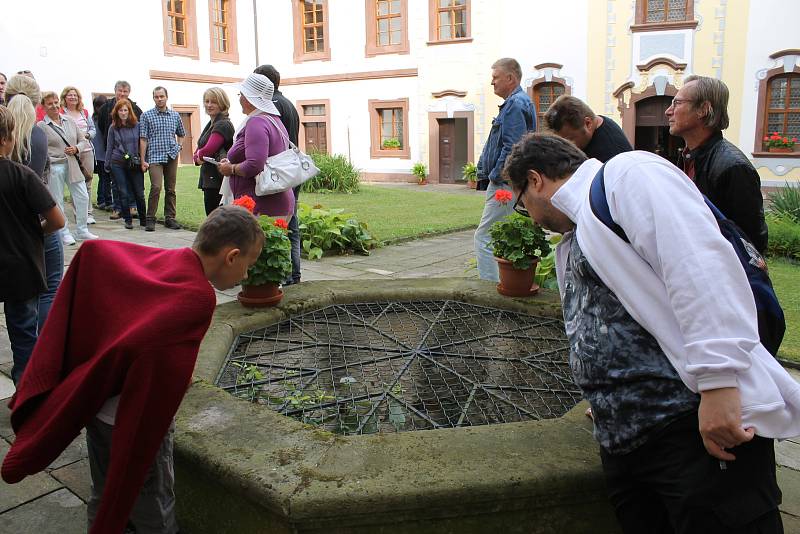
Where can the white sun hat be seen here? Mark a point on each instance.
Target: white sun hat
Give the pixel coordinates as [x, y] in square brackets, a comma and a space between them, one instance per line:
[258, 90]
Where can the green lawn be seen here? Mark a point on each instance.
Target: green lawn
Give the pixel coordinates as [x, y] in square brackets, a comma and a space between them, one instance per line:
[786, 279]
[390, 214]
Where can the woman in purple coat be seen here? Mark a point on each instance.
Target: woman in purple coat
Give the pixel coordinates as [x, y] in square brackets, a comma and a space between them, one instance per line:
[261, 136]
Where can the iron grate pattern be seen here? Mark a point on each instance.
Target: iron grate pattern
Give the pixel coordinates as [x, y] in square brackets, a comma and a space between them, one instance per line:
[402, 366]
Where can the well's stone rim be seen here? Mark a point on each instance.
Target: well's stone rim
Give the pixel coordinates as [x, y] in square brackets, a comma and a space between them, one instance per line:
[313, 478]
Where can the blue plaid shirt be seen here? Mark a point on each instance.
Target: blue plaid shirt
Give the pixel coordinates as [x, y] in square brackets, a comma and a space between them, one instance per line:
[160, 129]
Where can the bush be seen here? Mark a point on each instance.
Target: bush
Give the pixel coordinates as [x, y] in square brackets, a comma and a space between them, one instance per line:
[331, 230]
[784, 237]
[336, 175]
[786, 202]
[420, 170]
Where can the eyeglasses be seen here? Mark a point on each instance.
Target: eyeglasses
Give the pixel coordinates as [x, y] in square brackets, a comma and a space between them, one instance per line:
[678, 101]
[522, 210]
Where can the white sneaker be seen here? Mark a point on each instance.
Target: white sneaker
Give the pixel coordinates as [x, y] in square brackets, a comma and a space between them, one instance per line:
[67, 239]
[90, 220]
[85, 236]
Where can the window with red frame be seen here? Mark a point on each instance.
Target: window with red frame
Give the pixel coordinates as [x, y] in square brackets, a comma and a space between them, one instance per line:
[783, 106]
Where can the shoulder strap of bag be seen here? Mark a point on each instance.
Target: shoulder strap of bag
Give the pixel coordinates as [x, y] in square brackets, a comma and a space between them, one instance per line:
[80, 165]
[286, 137]
[599, 204]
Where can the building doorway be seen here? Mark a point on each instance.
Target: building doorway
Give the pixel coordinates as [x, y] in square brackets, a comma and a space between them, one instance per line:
[452, 149]
[190, 117]
[652, 129]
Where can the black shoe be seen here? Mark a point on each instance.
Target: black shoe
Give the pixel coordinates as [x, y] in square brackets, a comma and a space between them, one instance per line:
[128, 225]
[172, 224]
[151, 225]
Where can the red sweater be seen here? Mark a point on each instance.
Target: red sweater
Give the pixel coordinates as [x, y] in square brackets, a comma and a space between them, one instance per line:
[93, 348]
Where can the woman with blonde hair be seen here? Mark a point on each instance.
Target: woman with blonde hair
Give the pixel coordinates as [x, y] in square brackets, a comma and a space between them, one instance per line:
[72, 106]
[63, 138]
[30, 148]
[214, 142]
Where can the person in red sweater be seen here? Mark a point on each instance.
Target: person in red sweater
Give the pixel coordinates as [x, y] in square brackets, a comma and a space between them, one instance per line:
[125, 381]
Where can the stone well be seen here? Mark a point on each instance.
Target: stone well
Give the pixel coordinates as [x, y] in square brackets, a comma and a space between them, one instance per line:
[242, 467]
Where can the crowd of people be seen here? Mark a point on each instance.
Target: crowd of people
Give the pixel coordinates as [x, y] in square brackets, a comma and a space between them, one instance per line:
[662, 325]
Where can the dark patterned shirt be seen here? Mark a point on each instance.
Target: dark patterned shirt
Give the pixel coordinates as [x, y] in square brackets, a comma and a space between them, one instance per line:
[623, 373]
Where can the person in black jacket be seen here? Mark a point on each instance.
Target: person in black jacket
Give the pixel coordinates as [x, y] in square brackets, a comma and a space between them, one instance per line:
[599, 137]
[698, 114]
[290, 120]
[121, 90]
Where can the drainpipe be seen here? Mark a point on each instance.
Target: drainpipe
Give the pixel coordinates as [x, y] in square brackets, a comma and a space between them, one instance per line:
[255, 30]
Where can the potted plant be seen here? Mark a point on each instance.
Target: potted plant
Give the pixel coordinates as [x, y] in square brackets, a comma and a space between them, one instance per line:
[421, 172]
[518, 243]
[470, 171]
[778, 143]
[274, 264]
[391, 143]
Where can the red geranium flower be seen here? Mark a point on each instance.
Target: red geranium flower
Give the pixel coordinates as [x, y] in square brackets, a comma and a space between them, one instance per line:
[503, 196]
[246, 202]
[281, 223]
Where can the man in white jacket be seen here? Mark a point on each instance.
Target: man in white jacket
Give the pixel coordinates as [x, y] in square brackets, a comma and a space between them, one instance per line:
[664, 343]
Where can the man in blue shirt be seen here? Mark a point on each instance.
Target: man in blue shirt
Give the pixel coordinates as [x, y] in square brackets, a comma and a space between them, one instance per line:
[157, 131]
[516, 117]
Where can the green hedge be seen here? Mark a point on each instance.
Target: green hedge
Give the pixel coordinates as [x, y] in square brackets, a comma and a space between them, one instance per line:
[784, 237]
[336, 175]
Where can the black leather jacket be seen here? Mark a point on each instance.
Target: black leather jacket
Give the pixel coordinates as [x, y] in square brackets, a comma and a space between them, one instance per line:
[725, 175]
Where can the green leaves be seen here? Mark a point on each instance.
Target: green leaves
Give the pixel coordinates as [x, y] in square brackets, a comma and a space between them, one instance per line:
[331, 230]
[275, 262]
[336, 175]
[519, 240]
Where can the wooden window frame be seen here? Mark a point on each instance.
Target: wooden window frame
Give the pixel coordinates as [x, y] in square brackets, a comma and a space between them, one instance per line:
[641, 24]
[372, 47]
[534, 95]
[762, 115]
[190, 50]
[300, 55]
[314, 118]
[433, 24]
[376, 150]
[232, 54]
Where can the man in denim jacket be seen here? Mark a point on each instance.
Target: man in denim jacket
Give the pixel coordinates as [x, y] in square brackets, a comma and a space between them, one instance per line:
[516, 117]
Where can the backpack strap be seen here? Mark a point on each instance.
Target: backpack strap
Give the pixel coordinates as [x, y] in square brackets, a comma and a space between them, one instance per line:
[599, 204]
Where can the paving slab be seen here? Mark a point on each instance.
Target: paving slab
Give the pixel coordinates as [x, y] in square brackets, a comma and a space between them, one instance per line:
[59, 512]
[76, 478]
[787, 453]
[789, 482]
[6, 387]
[5, 344]
[74, 452]
[5, 420]
[29, 489]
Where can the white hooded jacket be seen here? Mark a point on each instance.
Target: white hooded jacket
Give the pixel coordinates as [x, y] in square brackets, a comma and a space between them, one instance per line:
[682, 281]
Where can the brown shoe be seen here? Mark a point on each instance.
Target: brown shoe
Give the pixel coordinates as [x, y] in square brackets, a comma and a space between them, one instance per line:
[115, 215]
[150, 226]
[172, 224]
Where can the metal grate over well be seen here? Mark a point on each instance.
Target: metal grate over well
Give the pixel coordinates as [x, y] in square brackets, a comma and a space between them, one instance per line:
[401, 366]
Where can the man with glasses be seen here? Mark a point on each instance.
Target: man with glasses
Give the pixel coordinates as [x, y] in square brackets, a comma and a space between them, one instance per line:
[517, 115]
[599, 137]
[698, 114]
[664, 342]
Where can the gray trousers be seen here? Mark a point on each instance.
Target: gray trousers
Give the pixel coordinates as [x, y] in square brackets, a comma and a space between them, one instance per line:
[154, 511]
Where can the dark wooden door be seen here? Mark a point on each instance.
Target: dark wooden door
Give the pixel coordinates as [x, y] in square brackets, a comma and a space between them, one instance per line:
[316, 137]
[186, 150]
[447, 139]
[652, 128]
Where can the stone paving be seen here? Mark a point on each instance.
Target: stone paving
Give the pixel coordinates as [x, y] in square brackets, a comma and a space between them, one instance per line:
[55, 501]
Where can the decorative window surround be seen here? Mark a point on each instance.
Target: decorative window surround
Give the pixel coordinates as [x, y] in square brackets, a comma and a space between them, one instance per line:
[189, 46]
[373, 48]
[325, 119]
[784, 62]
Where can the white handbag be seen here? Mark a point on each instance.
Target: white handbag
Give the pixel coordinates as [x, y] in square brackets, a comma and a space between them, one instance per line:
[286, 170]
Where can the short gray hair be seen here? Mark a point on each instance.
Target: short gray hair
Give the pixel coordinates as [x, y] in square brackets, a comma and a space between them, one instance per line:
[122, 84]
[510, 65]
[715, 92]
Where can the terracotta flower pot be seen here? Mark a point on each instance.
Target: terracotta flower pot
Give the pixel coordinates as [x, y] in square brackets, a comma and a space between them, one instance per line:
[516, 282]
[260, 296]
[472, 184]
[781, 149]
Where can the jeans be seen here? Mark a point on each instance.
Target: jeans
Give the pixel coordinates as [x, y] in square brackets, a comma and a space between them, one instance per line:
[493, 211]
[294, 238]
[116, 189]
[21, 321]
[162, 175]
[59, 175]
[104, 195]
[134, 181]
[54, 268]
